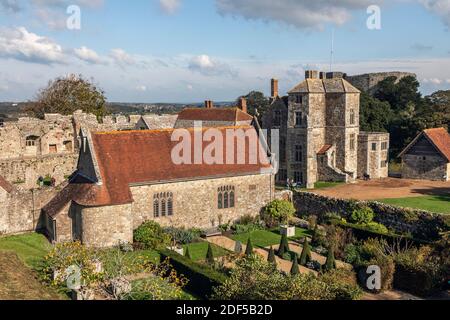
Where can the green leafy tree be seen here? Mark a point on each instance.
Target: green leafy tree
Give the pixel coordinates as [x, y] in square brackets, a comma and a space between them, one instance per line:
[305, 257]
[295, 269]
[280, 210]
[256, 101]
[284, 246]
[362, 215]
[210, 255]
[330, 264]
[65, 95]
[271, 257]
[249, 248]
[375, 115]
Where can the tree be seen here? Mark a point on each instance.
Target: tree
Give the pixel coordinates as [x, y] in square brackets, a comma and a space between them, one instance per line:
[375, 115]
[280, 210]
[295, 269]
[284, 246]
[65, 95]
[305, 257]
[271, 258]
[330, 264]
[249, 248]
[210, 255]
[256, 101]
[187, 254]
[315, 236]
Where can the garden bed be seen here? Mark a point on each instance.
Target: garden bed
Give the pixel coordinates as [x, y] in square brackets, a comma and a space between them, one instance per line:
[267, 238]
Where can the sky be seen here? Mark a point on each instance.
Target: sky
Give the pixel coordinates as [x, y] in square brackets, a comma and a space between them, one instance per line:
[189, 51]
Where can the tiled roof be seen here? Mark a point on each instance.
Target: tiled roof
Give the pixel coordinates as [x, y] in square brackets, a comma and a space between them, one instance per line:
[8, 187]
[214, 114]
[441, 140]
[144, 157]
[335, 85]
[324, 149]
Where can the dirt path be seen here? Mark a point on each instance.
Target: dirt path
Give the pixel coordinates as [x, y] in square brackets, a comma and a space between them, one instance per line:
[389, 295]
[17, 282]
[386, 188]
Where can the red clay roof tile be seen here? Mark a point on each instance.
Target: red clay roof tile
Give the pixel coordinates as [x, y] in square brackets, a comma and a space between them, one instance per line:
[214, 114]
[441, 140]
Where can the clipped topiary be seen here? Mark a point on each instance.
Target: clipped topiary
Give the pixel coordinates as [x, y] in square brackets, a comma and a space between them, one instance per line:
[249, 248]
[295, 269]
[330, 264]
[271, 258]
[284, 246]
[187, 254]
[305, 257]
[210, 255]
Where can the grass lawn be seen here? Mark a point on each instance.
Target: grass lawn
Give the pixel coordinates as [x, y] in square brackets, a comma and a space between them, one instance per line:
[265, 238]
[30, 248]
[439, 204]
[198, 250]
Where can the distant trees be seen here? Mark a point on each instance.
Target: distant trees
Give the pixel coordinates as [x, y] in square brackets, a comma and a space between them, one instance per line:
[256, 101]
[65, 95]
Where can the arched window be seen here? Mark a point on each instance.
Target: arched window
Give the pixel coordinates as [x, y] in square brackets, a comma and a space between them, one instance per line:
[163, 208]
[220, 201]
[170, 207]
[156, 208]
[225, 200]
[232, 199]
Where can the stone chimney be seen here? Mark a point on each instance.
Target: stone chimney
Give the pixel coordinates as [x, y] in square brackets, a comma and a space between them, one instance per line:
[274, 88]
[209, 104]
[243, 104]
[311, 74]
[335, 75]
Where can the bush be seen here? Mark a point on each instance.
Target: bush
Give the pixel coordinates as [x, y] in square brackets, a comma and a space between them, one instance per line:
[284, 246]
[376, 228]
[343, 284]
[183, 236]
[246, 228]
[249, 248]
[279, 210]
[305, 256]
[295, 269]
[152, 236]
[202, 279]
[363, 215]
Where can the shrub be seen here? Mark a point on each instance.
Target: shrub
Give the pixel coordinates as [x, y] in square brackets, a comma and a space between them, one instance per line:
[187, 254]
[210, 255]
[295, 269]
[284, 245]
[387, 268]
[271, 257]
[152, 236]
[343, 284]
[183, 236]
[376, 227]
[249, 248]
[330, 263]
[363, 215]
[305, 257]
[248, 219]
[279, 210]
[202, 279]
[246, 228]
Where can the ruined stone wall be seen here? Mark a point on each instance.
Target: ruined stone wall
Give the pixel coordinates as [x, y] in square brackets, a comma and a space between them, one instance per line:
[24, 173]
[20, 210]
[430, 167]
[420, 224]
[369, 82]
[195, 203]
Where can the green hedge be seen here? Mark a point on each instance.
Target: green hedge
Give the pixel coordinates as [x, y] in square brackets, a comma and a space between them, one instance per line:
[202, 279]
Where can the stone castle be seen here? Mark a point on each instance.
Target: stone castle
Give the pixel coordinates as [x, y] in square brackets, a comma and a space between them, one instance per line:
[320, 138]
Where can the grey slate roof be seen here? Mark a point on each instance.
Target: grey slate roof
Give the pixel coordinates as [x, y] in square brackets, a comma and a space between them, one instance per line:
[335, 85]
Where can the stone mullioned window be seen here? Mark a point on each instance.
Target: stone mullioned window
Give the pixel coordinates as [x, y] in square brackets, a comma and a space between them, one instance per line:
[163, 204]
[226, 196]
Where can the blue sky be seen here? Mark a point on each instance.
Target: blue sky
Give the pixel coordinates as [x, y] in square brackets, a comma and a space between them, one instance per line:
[186, 51]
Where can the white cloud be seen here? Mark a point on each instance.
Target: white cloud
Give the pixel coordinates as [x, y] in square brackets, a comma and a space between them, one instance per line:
[208, 66]
[169, 6]
[299, 13]
[20, 44]
[434, 81]
[122, 58]
[89, 56]
[438, 7]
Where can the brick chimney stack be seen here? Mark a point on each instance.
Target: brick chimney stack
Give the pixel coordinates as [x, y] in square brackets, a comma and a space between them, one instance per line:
[274, 88]
[209, 104]
[243, 104]
[311, 74]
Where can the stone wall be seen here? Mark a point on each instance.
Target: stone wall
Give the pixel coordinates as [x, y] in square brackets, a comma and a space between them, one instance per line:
[20, 210]
[195, 203]
[24, 173]
[368, 82]
[373, 162]
[430, 167]
[421, 224]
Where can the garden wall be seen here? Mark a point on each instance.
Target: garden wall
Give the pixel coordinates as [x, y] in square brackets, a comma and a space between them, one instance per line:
[420, 224]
